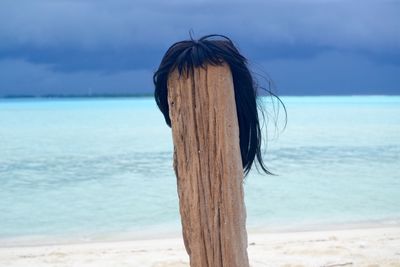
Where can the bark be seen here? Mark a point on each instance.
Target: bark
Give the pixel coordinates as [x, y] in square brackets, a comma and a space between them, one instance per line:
[208, 166]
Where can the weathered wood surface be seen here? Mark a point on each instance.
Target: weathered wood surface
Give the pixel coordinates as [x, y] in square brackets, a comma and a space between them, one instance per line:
[208, 167]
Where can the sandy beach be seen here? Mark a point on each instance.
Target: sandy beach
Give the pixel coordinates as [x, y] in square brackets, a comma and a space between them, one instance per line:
[370, 247]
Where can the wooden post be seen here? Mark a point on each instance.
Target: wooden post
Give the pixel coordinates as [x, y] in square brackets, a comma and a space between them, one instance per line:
[208, 166]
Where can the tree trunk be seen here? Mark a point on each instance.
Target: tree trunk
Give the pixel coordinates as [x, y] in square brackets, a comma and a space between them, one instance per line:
[208, 166]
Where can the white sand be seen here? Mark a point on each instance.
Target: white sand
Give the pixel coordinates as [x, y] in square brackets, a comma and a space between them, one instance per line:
[371, 247]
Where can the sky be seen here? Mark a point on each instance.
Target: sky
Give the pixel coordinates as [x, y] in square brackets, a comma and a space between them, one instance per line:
[306, 47]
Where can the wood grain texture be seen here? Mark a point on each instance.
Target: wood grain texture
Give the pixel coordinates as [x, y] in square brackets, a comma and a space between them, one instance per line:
[208, 166]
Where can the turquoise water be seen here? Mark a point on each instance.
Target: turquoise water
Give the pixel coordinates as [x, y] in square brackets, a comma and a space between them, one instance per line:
[92, 167]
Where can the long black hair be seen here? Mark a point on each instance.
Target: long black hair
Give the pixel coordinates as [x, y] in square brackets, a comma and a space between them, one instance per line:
[217, 49]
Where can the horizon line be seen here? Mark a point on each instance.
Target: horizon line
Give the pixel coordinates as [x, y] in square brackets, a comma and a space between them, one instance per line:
[151, 95]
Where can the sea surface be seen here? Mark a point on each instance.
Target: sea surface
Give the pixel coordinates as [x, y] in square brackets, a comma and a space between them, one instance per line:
[87, 169]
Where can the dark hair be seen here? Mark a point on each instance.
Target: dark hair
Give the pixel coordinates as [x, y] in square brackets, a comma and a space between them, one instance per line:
[217, 49]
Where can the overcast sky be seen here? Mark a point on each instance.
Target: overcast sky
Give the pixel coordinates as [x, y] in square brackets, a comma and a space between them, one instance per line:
[100, 46]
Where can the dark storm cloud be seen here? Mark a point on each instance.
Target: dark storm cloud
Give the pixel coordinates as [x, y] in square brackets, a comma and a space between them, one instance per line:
[70, 59]
[108, 37]
[132, 34]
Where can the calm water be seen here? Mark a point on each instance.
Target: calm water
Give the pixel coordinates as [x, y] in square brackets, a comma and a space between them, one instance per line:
[91, 167]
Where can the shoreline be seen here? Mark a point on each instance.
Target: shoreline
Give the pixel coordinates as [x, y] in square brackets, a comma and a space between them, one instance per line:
[370, 247]
[171, 231]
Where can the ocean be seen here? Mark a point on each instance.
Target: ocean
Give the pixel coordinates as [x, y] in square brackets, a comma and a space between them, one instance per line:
[98, 168]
